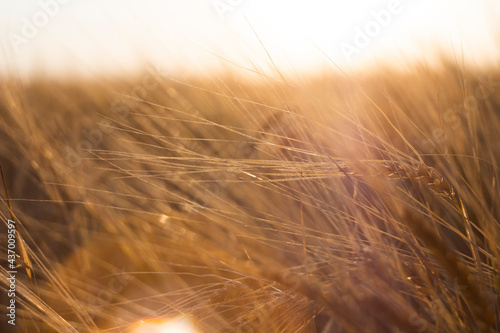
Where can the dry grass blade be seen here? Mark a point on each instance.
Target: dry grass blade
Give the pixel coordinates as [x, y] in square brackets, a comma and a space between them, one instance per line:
[23, 254]
[475, 300]
[310, 206]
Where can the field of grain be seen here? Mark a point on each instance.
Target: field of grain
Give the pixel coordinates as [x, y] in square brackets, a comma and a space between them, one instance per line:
[366, 202]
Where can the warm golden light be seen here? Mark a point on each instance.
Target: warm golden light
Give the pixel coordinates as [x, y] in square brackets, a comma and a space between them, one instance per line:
[175, 325]
[55, 35]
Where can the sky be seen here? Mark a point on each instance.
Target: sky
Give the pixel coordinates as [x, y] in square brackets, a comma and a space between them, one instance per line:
[65, 37]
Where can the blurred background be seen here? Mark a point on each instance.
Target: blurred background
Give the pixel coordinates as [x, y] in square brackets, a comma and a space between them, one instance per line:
[69, 37]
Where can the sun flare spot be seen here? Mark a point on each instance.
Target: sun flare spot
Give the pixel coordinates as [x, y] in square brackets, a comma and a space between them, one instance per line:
[167, 325]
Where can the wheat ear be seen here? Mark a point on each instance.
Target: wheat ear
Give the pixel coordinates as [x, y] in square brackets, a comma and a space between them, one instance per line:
[438, 184]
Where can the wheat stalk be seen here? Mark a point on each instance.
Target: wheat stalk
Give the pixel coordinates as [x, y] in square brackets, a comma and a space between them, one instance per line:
[430, 177]
[418, 173]
[434, 180]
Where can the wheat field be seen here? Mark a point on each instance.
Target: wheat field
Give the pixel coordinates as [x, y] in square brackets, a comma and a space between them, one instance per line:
[366, 202]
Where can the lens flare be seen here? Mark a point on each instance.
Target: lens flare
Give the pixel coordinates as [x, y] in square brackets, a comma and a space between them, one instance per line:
[171, 325]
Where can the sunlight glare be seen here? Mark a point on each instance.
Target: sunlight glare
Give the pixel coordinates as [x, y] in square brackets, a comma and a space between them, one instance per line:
[176, 325]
